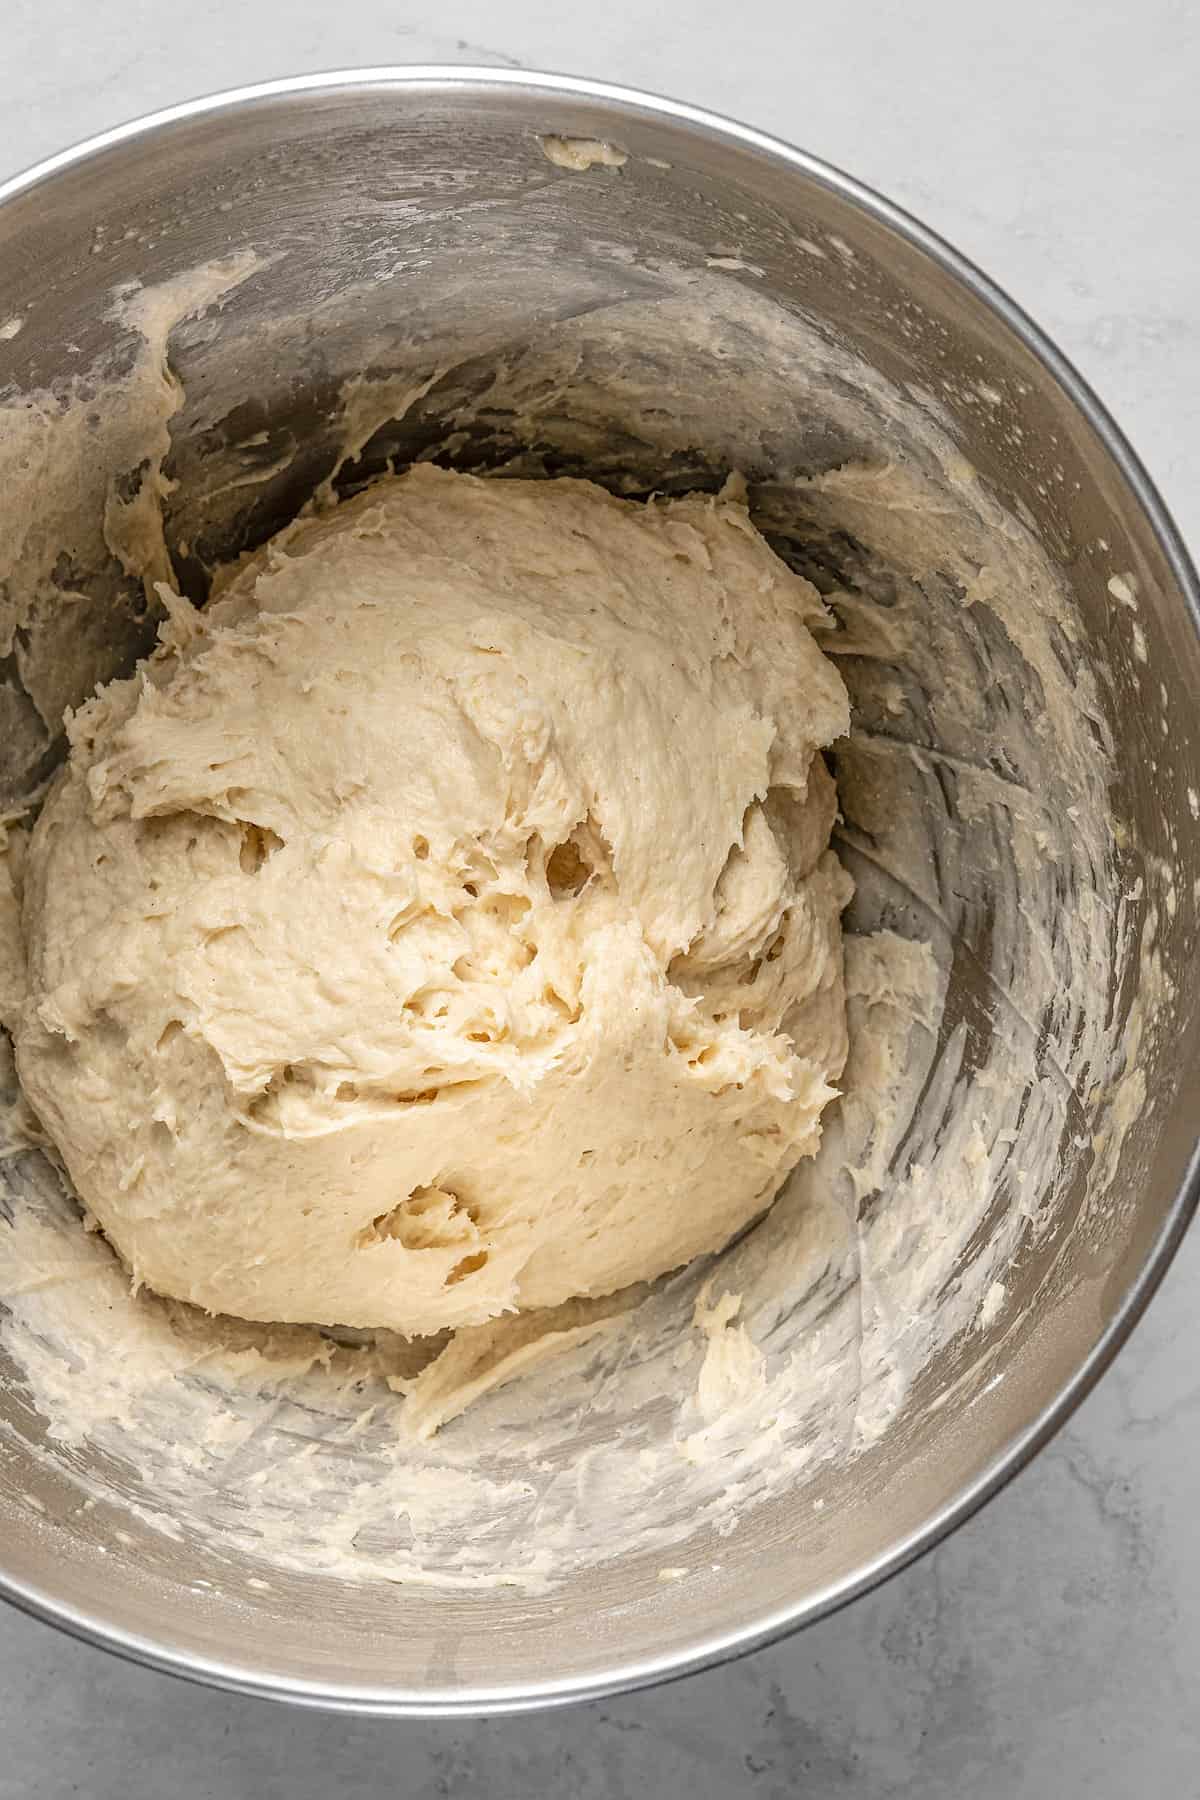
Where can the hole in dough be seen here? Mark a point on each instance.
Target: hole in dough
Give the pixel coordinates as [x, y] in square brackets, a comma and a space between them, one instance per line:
[468, 1266]
[259, 844]
[430, 1218]
[567, 870]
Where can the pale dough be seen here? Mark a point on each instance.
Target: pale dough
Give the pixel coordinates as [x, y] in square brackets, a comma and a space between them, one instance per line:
[442, 922]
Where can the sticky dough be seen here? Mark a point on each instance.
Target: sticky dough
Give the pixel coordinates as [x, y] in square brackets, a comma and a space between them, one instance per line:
[442, 922]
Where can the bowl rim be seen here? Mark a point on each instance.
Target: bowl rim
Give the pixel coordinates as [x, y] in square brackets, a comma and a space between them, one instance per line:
[715, 1647]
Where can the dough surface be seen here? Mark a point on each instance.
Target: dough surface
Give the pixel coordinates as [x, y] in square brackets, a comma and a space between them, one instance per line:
[442, 922]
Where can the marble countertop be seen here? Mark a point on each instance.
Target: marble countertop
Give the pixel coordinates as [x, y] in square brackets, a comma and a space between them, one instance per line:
[1052, 1646]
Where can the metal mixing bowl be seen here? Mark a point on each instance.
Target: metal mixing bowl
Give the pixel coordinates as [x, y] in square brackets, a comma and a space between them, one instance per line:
[399, 214]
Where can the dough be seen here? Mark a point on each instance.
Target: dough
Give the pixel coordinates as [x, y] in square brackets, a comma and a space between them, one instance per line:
[442, 922]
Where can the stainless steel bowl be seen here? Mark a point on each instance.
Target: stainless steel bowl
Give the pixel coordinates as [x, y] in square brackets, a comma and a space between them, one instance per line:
[423, 221]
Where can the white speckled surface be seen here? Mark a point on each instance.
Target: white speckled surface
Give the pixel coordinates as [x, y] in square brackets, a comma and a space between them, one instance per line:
[1051, 1647]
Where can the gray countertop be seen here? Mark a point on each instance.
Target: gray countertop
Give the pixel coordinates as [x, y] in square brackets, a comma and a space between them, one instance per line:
[1052, 1647]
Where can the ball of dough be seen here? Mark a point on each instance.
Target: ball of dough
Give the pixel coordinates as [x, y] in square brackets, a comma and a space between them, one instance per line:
[442, 922]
